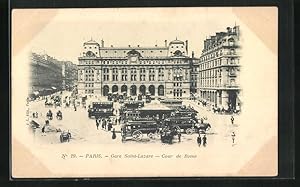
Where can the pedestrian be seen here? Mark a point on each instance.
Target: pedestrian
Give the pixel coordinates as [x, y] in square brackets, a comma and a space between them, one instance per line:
[105, 124]
[114, 134]
[36, 114]
[109, 126]
[179, 137]
[232, 119]
[43, 129]
[119, 119]
[102, 123]
[97, 123]
[233, 137]
[199, 140]
[201, 120]
[204, 140]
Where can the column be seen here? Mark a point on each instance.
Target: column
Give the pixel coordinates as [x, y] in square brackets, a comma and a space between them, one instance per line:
[224, 99]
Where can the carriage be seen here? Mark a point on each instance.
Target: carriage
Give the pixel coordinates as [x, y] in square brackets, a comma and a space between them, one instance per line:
[101, 109]
[65, 136]
[137, 128]
[130, 106]
[171, 103]
[184, 111]
[187, 125]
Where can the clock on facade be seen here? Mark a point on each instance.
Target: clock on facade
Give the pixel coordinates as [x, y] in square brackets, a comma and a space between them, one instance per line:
[90, 54]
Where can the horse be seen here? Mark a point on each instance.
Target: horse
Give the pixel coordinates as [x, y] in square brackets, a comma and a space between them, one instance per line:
[203, 127]
[216, 110]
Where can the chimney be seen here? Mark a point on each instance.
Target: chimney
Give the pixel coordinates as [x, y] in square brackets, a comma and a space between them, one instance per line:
[186, 46]
[102, 43]
[155, 45]
[138, 45]
[111, 46]
[193, 54]
[166, 43]
[128, 45]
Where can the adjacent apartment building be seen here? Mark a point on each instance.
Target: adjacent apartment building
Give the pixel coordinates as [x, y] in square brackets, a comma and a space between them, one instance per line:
[219, 69]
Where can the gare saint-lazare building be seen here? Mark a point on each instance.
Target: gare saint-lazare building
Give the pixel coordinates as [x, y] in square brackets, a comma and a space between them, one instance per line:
[162, 71]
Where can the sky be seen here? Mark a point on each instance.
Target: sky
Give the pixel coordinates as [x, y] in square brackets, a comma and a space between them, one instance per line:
[63, 37]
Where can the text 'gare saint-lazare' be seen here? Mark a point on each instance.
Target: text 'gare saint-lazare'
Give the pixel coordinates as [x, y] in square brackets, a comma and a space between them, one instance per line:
[115, 156]
[166, 71]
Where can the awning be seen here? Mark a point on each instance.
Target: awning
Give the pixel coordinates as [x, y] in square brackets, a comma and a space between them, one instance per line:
[36, 93]
[53, 88]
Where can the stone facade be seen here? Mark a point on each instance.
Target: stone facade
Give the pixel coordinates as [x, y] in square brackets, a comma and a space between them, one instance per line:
[163, 71]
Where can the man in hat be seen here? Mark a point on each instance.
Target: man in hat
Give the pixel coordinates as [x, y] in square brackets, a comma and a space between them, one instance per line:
[199, 140]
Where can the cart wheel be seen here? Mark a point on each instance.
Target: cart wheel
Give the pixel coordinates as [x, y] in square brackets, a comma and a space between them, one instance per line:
[151, 135]
[189, 131]
[137, 135]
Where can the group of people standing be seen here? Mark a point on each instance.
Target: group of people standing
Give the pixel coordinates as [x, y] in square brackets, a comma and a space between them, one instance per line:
[106, 124]
[202, 140]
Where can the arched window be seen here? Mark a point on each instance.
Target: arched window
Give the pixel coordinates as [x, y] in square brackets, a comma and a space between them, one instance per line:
[115, 88]
[152, 89]
[160, 90]
[105, 90]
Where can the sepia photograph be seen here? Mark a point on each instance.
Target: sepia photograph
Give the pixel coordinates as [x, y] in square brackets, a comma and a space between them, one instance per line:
[144, 92]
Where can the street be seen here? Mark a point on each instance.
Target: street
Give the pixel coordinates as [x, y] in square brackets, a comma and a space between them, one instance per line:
[83, 129]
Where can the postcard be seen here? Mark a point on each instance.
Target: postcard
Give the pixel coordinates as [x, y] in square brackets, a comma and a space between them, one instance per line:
[144, 92]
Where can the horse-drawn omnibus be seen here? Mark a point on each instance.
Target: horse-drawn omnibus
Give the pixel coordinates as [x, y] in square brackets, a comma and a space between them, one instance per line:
[130, 105]
[186, 124]
[184, 111]
[101, 109]
[135, 129]
[171, 103]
